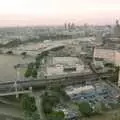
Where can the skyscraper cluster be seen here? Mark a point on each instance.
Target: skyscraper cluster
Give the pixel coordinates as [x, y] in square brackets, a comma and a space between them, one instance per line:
[69, 26]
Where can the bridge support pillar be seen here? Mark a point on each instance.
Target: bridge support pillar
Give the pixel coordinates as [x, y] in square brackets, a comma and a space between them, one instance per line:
[15, 86]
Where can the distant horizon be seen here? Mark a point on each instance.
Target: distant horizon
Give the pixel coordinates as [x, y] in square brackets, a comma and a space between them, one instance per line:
[51, 25]
[37, 22]
[58, 12]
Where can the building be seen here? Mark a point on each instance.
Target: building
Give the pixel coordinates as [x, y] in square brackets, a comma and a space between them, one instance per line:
[117, 29]
[63, 69]
[62, 66]
[113, 38]
[107, 54]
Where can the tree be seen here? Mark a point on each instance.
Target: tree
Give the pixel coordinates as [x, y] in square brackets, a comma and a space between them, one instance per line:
[104, 107]
[98, 108]
[60, 93]
[109, 65]
[49, 102]
[47, 107]
[28, 73]
[114, 77]
[37, 64]
[35, 116]
[28, 104]
[24, 53]
[31, 65]
[29, 107]
[9, 52]
[34, 73]
[56, 116]
[50, 99]
[85, 109]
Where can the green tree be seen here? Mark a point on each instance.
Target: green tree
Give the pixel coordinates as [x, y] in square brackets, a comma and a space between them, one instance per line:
[56, 116]
[34, 73]
[37, 64]
[24, 53]
[28, 73]
[114, 77]
[60, 93]
[29, 108]
[104, 107]
[85, 109]
[98, 108]
[47, 107]
[9, 52]
[35, 116]
[28, 104]
[109, 65]
[49, 102]
[31, 65]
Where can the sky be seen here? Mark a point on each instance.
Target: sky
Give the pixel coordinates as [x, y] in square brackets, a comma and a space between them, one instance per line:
[55, 12]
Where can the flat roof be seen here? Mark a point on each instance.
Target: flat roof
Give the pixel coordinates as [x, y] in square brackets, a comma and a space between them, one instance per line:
[67, 60]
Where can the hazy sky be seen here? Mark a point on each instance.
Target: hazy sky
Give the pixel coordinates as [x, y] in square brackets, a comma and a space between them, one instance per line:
[50, 12]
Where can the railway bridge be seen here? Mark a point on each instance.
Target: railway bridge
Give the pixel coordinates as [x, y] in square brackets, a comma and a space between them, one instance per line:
[27, 86]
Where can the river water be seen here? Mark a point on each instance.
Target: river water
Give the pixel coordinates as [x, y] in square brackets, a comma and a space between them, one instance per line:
[8, 73]
[7, 63]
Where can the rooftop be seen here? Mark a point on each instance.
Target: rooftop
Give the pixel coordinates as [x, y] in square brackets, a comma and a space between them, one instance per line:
[66, 60]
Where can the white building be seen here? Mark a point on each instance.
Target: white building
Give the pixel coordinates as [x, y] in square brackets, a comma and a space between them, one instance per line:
[61, 69]
[63, 66]
[107, 54]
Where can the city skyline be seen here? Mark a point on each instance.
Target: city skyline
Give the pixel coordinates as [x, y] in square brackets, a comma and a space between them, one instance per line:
[57, 12]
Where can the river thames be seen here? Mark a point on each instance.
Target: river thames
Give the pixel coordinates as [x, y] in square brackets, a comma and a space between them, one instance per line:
[7, 63]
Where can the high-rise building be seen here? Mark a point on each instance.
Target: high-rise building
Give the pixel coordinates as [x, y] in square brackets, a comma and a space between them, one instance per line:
[65, 25]
[117, 29]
